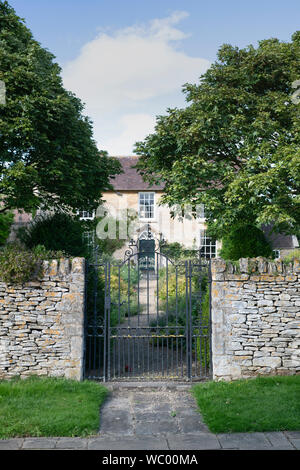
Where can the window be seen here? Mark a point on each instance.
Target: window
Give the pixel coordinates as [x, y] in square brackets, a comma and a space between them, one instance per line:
[86, 215]
[207, 246]
[276, 254]
[146, 205]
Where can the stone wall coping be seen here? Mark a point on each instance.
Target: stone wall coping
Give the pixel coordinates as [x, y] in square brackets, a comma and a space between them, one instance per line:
[257, 268]
[63, 266]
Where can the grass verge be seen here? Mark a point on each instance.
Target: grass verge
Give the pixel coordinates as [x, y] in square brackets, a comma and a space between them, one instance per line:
[253, 405]
[44, 407]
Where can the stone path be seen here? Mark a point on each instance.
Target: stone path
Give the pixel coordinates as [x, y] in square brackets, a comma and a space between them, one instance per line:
[157, 417]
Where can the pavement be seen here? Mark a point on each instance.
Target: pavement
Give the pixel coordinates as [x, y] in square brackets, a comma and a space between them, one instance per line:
[156, 417]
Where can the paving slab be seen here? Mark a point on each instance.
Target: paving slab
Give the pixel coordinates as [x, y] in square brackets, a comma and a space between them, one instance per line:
[200, 441]
[39, 443]
[71, 443]
[294, 438]
[244, 441]
[11, 444]
[133, 443]
[116, 421]
[279, 440]
[293, 434]
[156, 427]
[296, 443]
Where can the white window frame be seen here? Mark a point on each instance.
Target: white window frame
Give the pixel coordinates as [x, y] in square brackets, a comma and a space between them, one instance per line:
[209, 253]
[88, 217]
[154, 206]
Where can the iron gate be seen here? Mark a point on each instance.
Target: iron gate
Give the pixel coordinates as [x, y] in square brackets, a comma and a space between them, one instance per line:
[148, 319]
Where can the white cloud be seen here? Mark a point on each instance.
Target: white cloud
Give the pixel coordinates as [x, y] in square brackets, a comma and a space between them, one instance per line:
[119, 76]
[135, 126]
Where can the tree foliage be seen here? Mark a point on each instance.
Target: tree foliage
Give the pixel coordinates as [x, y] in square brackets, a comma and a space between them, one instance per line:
[48, 157]
[235, 147]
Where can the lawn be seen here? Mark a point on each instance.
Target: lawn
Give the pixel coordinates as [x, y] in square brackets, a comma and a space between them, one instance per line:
[261, 404]
[40, 407]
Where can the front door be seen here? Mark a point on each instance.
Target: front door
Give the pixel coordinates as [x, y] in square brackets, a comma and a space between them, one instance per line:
[146, 252]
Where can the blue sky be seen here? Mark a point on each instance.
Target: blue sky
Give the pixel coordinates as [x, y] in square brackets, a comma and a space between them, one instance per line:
[128, 59]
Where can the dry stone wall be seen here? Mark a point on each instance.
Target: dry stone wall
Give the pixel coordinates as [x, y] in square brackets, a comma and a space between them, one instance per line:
[255, 318]
[42, 323]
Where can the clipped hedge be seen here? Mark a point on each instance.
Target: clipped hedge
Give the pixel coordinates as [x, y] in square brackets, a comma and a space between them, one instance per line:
[246, 241]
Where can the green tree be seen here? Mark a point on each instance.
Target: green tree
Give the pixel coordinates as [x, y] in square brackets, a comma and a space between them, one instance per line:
[48, 157]
[235, 147]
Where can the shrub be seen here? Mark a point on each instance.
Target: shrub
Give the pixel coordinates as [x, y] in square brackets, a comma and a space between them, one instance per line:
[6, 221]
[294, 254]
[245, 241]
[57, 232]
[176, 251]
[19, 265]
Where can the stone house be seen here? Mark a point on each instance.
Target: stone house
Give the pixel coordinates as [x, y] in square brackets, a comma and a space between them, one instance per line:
[130, 191]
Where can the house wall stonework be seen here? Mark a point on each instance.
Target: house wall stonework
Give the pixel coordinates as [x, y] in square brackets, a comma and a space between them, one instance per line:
[42, 323]
[255, 318]
[185, 231]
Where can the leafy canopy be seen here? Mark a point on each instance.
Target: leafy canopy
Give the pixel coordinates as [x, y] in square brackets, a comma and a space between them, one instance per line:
[48, 157]
[235, 147]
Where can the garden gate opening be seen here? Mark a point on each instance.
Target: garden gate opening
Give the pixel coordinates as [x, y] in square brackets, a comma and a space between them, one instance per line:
[147, 318]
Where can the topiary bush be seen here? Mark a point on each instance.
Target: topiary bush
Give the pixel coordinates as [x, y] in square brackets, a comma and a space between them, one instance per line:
[57, 232]
[247, 241]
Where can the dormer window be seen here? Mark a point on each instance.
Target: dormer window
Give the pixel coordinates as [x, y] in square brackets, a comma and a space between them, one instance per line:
[146, 205]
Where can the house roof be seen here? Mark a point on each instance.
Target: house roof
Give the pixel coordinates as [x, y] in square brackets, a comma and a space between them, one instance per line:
[278, 240]
[131, 180]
